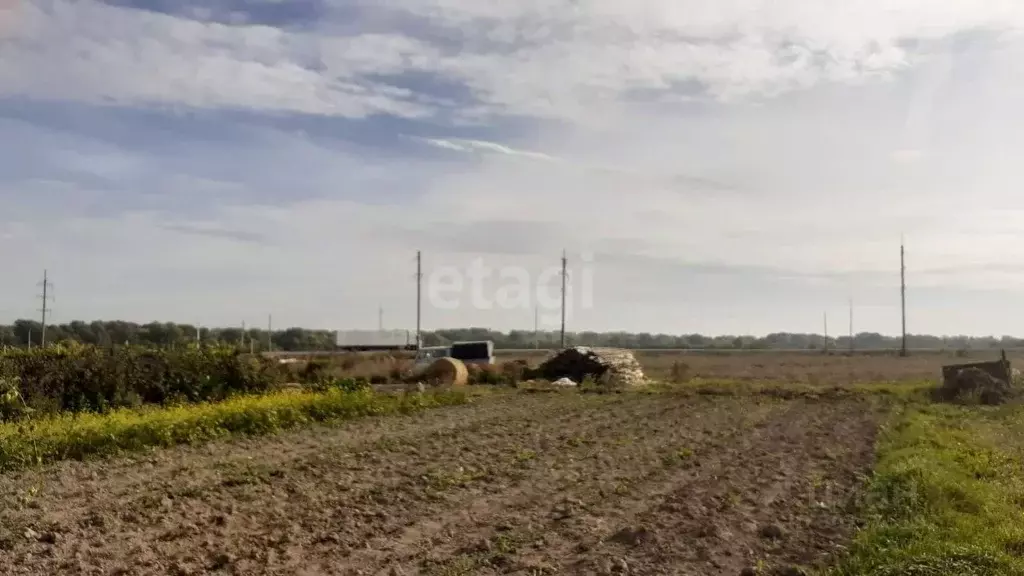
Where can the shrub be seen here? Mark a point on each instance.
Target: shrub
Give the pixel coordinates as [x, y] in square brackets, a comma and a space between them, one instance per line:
[81, 378]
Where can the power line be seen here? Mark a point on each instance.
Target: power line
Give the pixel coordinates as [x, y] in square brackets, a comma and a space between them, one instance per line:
[46, 297]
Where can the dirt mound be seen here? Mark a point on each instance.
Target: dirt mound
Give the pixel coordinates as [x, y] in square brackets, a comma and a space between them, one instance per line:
[610, 367]
[974, 386]
[446, 372]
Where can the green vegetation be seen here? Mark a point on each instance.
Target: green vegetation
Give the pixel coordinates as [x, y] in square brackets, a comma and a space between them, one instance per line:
[947, 496]
[83, 378]
[76, 436]
[169, 334]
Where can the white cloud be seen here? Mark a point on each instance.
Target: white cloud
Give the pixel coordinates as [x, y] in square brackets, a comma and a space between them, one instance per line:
[555, 59]
[786, 145]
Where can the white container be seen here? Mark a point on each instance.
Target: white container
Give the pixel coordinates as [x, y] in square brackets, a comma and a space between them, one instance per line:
[374, 338]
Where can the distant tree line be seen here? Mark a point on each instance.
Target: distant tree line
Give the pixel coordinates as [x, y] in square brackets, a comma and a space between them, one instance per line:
[166, 334]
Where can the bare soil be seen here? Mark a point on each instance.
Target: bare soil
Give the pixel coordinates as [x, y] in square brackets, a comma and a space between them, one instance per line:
[512, 484]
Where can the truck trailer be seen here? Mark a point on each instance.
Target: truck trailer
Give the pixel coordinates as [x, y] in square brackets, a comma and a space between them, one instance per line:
[369, 340]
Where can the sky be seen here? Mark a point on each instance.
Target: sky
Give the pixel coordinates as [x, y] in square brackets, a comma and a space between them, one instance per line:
[737, 166]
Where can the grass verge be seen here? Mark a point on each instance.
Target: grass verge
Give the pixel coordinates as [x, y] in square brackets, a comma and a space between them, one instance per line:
[77, 436]
[947, 496]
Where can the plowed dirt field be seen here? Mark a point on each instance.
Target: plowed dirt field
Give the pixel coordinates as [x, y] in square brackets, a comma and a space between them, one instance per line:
[511, 484]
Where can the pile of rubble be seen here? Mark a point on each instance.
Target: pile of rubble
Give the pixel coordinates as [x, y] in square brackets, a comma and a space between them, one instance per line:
[611, 367]
[973, 386]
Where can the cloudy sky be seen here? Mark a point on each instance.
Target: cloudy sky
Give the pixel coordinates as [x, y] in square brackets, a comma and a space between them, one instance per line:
[736, 166]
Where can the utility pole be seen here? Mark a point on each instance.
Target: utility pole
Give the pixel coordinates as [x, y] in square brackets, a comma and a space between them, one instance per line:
[851, 325]
[565, 275]
[46, 297]
[380, 318]
[270, 332]
[536, 326]
[825, 347]
[243, 335]
[419, 297]
[903, 299]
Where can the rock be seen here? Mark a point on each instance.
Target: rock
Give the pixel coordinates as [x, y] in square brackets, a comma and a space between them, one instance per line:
[772, 531]
[564, 383]
[48, 538]
[221, 560]
[31, 534]
[631, 536]
[748, 571]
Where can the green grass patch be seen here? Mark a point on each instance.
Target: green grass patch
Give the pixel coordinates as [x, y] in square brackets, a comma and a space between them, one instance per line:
[76, 436]
[947, 496]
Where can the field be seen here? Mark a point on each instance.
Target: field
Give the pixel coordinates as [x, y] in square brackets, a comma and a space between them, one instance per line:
[840, 465]
[755, 366]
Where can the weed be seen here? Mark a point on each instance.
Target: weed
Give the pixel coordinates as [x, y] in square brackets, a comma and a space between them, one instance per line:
[76, 436]
[525, 455]
[946, 496]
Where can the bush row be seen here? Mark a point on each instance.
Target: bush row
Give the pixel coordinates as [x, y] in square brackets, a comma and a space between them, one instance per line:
[76, 436]
[83, 378]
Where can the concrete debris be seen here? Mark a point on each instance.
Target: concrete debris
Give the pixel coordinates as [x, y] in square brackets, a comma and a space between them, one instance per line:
[606, 367]
[974, 386]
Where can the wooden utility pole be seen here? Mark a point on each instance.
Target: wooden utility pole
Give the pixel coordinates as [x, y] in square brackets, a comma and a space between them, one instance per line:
[270, 332]
[903, 299]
